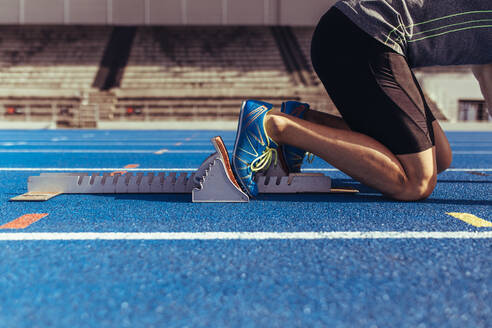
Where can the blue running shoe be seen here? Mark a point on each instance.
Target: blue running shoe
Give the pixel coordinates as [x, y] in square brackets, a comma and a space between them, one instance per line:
[253, 151]
[293, 156]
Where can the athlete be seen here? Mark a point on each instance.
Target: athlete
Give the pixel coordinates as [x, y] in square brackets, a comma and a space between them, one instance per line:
[363, 52]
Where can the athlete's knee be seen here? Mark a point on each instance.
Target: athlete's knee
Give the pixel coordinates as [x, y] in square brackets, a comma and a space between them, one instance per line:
[416, 188]
[422, 188]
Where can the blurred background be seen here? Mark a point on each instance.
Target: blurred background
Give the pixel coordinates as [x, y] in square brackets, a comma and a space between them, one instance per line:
[124, 63]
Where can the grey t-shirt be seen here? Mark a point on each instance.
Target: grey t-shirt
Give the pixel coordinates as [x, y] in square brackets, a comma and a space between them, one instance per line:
[428, 32]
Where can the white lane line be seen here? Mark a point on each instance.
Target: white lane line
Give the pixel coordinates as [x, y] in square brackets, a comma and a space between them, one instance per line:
[86, 144]
[181, 150]
[152, 169]
[100, 151]
[469, 144]
[448, 170]
[308, 235]
[472, 152]
[82, 169]
[155, 142]
[468, 170]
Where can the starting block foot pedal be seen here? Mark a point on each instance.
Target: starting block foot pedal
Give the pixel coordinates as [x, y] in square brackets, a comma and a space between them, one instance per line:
[217, 183]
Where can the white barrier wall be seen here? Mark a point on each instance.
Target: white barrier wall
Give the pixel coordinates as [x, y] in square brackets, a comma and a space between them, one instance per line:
[446, 89]
[87, 12]
[164, 12]
[42, 12]
[299, 12]
[9, 11]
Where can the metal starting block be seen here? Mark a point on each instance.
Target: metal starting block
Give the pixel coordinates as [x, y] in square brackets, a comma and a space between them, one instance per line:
[212, 182]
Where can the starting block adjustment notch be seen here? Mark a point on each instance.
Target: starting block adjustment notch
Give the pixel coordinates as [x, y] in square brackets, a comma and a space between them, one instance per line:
[294, 183]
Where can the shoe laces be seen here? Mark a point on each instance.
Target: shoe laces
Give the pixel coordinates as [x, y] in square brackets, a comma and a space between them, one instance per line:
[309, 157]
[264, 160]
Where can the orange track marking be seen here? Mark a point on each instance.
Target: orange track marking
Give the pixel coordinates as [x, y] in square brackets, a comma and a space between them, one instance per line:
[24, 221]
[129, 166]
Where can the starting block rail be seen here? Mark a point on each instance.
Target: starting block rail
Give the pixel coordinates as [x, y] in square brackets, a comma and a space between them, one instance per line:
[212, 182]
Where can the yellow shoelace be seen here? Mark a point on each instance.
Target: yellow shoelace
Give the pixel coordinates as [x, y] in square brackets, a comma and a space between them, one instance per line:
[309, 157]
[264, 160]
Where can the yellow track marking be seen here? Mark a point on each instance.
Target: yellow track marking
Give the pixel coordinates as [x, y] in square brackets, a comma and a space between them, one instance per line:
[471, 219]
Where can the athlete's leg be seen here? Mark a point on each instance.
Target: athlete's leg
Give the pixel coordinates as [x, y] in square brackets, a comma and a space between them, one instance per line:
[326, 119]
[444, 154]
[390, 144]
[404, 177]
[443, 150]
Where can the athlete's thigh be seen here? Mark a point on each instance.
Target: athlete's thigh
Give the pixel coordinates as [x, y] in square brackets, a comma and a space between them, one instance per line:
[372, 86]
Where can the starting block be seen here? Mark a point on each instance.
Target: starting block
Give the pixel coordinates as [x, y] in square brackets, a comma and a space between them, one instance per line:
[212, 182]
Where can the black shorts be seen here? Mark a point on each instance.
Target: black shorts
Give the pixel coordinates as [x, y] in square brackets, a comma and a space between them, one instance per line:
[371, 85]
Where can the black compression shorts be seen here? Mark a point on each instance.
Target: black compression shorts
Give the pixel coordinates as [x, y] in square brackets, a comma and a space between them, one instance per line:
[371, 85]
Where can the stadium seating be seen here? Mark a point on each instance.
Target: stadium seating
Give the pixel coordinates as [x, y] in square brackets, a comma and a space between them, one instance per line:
[73, 75]
[303, 35]
[177, 60]
[56, 58]
[44, 70]
[176, 67]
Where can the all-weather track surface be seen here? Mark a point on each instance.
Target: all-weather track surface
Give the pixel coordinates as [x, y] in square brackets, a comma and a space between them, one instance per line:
[314, 260]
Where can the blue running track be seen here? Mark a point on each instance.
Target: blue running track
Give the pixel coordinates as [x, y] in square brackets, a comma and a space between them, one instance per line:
[323, 278]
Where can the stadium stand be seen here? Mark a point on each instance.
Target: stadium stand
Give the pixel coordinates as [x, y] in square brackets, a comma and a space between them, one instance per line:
[303, 35]
[192, 70]
[177, 58]
[53, 58]
[45, 70]
[78, 75]
[294, 59]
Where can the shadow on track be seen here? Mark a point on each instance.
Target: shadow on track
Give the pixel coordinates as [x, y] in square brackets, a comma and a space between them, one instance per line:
[167, 198]
[462, 181]
[364, 198]
[366, 195]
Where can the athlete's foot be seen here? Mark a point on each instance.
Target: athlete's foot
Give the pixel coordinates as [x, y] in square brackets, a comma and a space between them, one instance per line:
[254, 150]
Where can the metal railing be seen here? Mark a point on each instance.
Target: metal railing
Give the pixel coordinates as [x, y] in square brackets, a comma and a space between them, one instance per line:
[64, 113]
